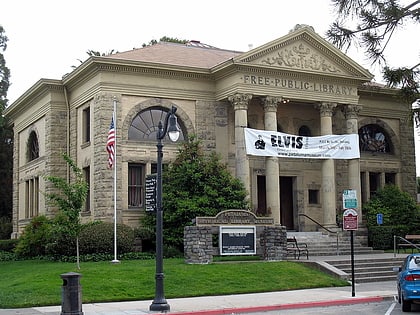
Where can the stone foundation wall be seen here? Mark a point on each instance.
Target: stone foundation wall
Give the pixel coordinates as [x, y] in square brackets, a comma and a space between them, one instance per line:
[198, 245]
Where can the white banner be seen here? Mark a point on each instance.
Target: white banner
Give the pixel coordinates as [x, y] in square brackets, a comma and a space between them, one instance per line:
[272, 143]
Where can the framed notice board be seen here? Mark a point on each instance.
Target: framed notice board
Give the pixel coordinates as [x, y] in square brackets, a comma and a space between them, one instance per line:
[237, 240]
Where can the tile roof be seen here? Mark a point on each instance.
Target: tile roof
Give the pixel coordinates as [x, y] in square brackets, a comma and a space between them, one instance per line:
[192, 54]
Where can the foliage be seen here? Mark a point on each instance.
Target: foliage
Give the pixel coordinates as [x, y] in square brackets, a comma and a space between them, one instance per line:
[397, 207]
[4, 71]
[376, 23]
[6, 136]
[8, 245]
[35, 237]
[70, 199]
[8, 256]
[418, 185]
[134, 280]
[99, 238]
[5, 228]
[92, 52]
[382, 237]
[194, 185]
[166, 39]
[400, 215]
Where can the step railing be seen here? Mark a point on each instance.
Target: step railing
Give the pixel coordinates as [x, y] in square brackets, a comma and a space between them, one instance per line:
[405, 242]
[323, 227]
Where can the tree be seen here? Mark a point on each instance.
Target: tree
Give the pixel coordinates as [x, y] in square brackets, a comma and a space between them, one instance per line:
[194, 185]
[91, 53]
[376, 23]
[70, 200]
[6, 136]
[166, 39]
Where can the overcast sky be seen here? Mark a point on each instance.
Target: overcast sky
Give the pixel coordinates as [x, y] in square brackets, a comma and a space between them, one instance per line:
[48, 37]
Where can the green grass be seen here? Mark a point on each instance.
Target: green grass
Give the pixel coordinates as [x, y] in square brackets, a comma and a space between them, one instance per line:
[38, 283]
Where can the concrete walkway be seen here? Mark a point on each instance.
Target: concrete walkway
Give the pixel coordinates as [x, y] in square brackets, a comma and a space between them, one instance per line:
[214, 305]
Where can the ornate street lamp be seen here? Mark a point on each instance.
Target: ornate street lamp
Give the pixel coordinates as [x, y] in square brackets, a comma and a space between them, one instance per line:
[159, 303]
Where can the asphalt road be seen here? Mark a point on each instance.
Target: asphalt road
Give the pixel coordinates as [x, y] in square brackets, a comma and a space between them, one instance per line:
[388, 307]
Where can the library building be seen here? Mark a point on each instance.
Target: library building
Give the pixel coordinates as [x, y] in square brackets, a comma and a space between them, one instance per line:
[296, 120]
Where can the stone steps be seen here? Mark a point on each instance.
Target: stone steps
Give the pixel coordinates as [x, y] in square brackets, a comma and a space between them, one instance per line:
[369, 270]
[320, 244]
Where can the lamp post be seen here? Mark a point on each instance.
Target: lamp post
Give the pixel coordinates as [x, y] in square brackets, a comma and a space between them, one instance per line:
[159, 303]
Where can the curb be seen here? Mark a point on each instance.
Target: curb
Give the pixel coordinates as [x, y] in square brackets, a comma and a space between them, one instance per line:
[252, 309]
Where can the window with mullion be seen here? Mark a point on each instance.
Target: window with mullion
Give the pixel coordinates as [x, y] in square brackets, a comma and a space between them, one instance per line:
[135, 185]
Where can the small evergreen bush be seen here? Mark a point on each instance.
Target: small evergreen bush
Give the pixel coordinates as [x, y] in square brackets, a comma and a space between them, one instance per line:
[99, 238]
[35, 237]
[8, 245]
[400, 212]
[6, 228]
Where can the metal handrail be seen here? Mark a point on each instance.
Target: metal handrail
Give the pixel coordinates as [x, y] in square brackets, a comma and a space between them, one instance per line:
[320, 225]
[404, 240]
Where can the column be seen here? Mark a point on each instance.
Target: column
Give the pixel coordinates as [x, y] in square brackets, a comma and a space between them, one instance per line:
[328, 169]
[240, 105]
[271, 162]
[351, 113]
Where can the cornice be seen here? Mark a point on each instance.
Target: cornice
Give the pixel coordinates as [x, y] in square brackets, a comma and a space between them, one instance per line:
[100, 64]
[40, 89]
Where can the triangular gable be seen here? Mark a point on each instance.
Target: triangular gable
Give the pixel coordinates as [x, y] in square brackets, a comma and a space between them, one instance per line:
[303, 50]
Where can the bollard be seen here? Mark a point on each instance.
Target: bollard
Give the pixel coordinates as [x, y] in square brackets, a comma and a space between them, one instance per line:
[71, 302]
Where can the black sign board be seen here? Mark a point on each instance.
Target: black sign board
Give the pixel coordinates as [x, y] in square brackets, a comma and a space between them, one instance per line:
[237, 240]
[150, 192]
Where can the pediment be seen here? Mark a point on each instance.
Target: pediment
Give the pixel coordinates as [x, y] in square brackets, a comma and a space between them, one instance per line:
[302, 50]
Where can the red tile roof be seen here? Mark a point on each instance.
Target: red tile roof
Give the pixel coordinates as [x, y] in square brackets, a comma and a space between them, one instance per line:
[192, 54]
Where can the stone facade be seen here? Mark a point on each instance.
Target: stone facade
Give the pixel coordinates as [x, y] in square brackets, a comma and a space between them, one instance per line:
[298, 84]
[199, 249]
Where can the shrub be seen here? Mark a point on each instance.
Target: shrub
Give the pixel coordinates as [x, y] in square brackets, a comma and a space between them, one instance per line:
[99, 238]
[8, 245]
[35, 238]
[382, 237]
[147, 237]
[400, 216]
[6, 228]
[195, 184]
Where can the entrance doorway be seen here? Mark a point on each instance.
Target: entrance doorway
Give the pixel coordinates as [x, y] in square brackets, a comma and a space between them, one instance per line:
[286, 200]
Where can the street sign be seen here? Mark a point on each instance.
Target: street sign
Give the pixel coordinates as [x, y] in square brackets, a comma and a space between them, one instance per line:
[379, 218]
[150, 193]
[350, 220]
[349, 199]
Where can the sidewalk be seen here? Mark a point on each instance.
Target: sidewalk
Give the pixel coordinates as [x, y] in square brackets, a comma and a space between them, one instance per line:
[214, 305]
[229, 304]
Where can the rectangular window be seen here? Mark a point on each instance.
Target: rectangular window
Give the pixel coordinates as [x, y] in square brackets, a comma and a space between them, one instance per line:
[86, 125]
[135, 185]
[86, 175]
[390, 178]
[313, 196]
[32, 197]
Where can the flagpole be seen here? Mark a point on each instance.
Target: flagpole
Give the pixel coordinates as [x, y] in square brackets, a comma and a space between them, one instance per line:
[114, 117]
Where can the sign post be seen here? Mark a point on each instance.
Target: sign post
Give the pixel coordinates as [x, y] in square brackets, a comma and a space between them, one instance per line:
[350, 223]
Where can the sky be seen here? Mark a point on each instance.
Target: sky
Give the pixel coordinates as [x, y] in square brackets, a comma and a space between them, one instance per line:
[48, 37]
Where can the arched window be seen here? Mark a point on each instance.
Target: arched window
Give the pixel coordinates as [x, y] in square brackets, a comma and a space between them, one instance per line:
[144, 126]
[304, 131]
[33, 146]
[373, 138]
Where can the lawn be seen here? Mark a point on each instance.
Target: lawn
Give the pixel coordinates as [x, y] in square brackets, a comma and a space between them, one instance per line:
[38, 283]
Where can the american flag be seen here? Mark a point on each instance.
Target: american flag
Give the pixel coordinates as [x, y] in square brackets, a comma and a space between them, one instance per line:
[110, 144]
